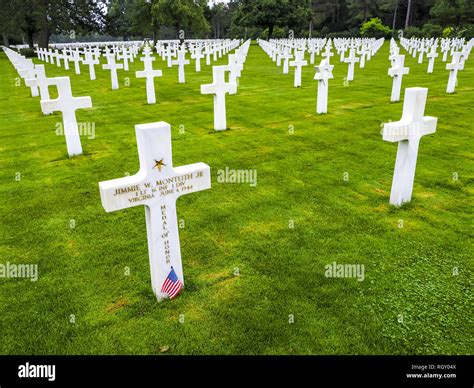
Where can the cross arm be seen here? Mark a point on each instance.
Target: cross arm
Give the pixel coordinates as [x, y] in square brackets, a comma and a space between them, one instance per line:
[208, 89]
[82, 102]
[406, 129]
[201, 177]
[116, 194]
[31, 82]
[48, 106]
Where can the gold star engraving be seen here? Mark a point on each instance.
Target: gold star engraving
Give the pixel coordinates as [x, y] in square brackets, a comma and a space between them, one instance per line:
[159, 164]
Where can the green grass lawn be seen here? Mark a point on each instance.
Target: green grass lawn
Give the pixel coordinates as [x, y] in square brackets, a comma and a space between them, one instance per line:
[409, 303]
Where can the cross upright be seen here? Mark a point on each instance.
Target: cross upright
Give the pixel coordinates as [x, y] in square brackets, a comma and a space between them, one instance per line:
[26, 70]
[453, 68]
[327, 54]
[423, 49]
[279, 52]
[465, 50]
[42, 82]
[363, 52]
[234, 68]
[298, 64]
[76, 58]
[112, 66]
[219, 88]
[46, 54]
[351, 60]
[149, 74]
[394, 51]
[286, 56]
[65, 57]
[157, 186]
[431, 58]
[197, 55]
[57, 55]
[312, 52]
[208, 53]
[169, 55]
[67, 105]
[125, 55]
[397, 71]
[181, 61]
[408, 132]
[91, 61]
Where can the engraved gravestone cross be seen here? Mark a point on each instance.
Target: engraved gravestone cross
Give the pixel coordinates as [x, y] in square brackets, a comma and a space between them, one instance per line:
[158, 185]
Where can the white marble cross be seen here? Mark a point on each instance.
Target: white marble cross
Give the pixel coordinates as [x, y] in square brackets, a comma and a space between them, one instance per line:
[453, 68]
[125, 55]
[351, 60]
[234, 68]
[408, 132]
[158, 185]
[397, 71]
[363, 52]
[298, 64]
[327, 54]
[149, 74]
[323, 74]
[422, 52]
[42, 82]
[286, 56]
[464, 55]
[279, 52]
[208, 52]
[181, 61]
[76, 58]
[65, 57]
[169, 55]
[312, 52]
[431, 58]
[112, 66]
[219, 88]
[49, 54]
[26, 69]
[67, 105]
[91, 61]
[197, 56]
[57, 55]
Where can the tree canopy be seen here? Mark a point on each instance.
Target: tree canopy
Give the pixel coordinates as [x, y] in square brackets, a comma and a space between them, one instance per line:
[34, 21]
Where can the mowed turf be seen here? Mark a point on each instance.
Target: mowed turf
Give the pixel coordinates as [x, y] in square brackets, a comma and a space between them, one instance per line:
[416, 295]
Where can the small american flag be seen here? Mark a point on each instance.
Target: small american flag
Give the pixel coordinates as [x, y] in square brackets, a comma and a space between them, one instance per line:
[172, 285]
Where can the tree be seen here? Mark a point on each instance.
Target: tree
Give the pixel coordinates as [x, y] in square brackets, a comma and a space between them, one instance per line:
[262, 13]
[10, 19]
[119, 18]
[220, 18]
[268, 14]
[361, 10]
[453, 12]
[374, 28]
[46, 17]
[143, 21]
[407, 19]
[299, 15]
[330, 14]
[184, 15]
